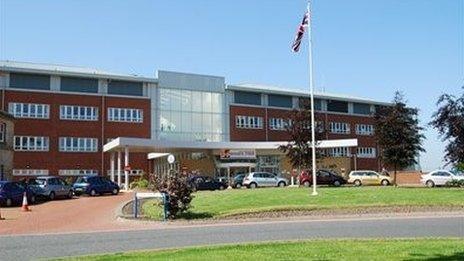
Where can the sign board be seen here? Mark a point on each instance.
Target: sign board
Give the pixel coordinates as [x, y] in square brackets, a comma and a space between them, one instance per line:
[238, 154]
[171, 159]
[148, 195]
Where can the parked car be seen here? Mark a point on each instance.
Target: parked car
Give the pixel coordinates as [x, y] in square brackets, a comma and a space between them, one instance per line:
[50, 187]
[238, 181]
[323, 177]
[368, 177]
[12, 193]
[206, 183]
[439, 178]
[263, 179]
[94, 185]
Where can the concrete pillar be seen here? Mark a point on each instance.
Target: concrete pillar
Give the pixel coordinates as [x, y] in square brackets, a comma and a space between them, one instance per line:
[119, 168]
[112, 165]
[126, 164]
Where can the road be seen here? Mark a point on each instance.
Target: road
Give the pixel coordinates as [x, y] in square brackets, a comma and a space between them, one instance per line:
[27, 247]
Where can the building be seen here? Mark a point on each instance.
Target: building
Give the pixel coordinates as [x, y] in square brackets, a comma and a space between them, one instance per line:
[66, 114]
[6, 145]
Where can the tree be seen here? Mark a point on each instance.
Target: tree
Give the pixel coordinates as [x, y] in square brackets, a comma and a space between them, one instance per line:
[398, 134]
[298, 149]
[449, 121]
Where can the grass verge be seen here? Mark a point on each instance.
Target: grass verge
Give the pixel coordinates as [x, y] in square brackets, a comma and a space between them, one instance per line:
[373, 249]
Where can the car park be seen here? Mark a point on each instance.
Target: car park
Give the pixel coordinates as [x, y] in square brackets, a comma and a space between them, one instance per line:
[238, 181]
[323, 177]
[94, 185]
[440, 178]
[12, 193]
[368, 177]
[206, 183]
[50, 187]
[264, 179]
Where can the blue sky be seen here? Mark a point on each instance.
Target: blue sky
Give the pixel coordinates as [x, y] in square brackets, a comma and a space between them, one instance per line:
[361, 47]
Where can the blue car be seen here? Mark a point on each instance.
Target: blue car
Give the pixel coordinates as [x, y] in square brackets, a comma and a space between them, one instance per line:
[94, 185]
[11, 193]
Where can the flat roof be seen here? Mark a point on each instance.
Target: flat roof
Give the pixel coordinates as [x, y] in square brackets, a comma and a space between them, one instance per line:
[163, 146]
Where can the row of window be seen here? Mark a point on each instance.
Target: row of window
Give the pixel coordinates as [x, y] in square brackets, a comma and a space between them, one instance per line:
[74, 112]
[2, 132]
[66, 144]
[254, 122]
[69, 172]
[361, 152]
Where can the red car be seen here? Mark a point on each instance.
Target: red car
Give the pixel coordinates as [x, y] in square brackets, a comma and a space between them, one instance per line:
[323, 177]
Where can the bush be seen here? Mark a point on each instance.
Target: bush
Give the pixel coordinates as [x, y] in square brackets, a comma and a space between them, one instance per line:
[455, 183]
[178, 190]
[140, 183]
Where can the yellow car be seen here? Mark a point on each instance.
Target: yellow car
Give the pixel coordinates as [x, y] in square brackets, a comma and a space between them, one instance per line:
[368, 177]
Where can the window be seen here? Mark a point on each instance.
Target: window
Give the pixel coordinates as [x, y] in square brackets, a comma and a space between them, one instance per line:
[30, 172]
[29, 110]
[280, 101]
[77, 172]
[339, 152]
[30, 81]
[306, 103]
[366, 152]
[248, 122]
[364, 129]
[76, 144]
[74, 84]
[133, 172]
[339, 127]
[252, 98]
[337, 106]
[278, 124]
[125, 88]
[362, 108]
[83, 113]
[30, 143]
[125, 115]
[2, 132]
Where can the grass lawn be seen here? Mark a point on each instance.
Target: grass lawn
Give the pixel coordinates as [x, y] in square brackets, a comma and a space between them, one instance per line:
[404, 249]
[217, 204]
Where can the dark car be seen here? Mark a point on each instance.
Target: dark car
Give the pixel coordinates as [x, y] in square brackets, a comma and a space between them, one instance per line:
[206, 183]
[323, 177]
[94, 185]
[11, 193]
[238, 181]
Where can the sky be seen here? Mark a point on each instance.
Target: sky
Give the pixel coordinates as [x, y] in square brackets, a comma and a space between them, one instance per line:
[361, 47]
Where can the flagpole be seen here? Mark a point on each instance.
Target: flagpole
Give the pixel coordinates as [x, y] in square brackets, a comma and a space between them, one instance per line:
[311, 90]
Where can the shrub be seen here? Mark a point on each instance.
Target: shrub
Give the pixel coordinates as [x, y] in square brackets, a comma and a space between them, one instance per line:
[178, 190]
[455, 183]
[140, 183]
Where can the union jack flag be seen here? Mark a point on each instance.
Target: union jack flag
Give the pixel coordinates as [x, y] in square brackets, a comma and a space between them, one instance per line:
[300, 33]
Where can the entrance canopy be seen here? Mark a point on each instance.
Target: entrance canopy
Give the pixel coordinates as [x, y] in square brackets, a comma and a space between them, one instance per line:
[165, 146]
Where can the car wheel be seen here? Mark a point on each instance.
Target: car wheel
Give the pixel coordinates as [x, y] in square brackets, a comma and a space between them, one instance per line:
[115, 191]
[281, 184]
[306, 184]
[70, 194]
[238, 185]
[357, 183]
[430, 183]
[32, 200]
[253, 185]
[222, 187]
[385, 182]
[93, 193]
[9, 202]
[337, 183]
[51, 196]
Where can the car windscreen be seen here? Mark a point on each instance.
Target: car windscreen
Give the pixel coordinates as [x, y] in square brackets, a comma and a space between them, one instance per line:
[37, 182]
[81, 180]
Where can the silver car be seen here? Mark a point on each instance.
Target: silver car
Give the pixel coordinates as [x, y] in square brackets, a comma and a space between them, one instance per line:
[263, 179]
[50, 187]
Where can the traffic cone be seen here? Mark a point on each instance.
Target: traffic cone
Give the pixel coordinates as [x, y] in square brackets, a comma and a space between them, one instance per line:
[1, 218]
[25, 208]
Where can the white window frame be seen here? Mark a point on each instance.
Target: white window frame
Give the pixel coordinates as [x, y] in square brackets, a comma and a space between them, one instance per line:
[365, 129]
[279, 124]
[77, 172]
[2, 132]
[366, 152]
[31, 143]
[339, 127]
[125, 115]
[30, 172]
[339, 152]
[78, 113]
[78, 144]
[134, 172]
[248, 122]
[29, 110]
